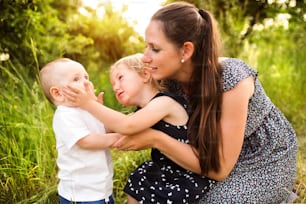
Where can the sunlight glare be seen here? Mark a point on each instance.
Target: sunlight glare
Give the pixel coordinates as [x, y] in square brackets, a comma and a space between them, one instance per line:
[138, 13]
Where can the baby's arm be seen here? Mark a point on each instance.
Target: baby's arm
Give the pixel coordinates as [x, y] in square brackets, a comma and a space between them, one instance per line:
[95, 141]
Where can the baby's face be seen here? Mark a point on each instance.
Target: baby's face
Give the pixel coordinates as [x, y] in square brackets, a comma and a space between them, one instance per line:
[74, 74]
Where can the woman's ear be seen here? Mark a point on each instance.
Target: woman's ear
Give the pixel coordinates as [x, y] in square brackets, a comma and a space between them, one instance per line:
[56, 94]
[187, 49]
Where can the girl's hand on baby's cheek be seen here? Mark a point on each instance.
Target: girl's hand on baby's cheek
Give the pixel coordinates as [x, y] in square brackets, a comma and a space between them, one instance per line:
[79, 95]
[70, 95]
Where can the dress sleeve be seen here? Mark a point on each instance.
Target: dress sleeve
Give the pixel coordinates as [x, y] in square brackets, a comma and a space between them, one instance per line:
[235, 70]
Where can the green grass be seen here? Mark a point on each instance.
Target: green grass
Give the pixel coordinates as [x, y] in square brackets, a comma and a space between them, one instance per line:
[27, 145]
[124, 163]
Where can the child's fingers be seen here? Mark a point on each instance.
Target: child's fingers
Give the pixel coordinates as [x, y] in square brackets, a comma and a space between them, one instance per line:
[100, 97]
[72, 89]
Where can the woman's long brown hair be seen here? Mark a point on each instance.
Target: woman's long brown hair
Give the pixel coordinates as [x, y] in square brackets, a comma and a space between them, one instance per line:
[182, 22]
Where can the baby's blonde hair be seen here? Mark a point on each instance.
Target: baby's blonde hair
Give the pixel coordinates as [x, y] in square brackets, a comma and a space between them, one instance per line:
[48, 76]
[135, 63]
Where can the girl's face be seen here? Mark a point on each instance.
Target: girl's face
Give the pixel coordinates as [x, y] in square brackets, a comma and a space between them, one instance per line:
[127, 85]
[162, 56]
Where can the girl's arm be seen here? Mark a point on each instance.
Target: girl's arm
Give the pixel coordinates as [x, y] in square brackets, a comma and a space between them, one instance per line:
[233, 123]
[95, 141]
[154, 111]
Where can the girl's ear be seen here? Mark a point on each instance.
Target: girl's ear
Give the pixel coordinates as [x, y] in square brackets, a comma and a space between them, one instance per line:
[187, 49]
[56, 94]
[146, 75]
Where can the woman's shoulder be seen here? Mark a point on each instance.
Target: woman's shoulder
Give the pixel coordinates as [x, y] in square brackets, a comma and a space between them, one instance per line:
[233, 63]
[235, 70]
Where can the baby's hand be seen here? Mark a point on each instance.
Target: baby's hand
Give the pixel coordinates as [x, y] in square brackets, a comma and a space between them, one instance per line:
[115, 138]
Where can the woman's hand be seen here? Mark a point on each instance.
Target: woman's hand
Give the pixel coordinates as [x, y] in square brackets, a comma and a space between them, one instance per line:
[180, 153]
[139, 141]
[79, 96]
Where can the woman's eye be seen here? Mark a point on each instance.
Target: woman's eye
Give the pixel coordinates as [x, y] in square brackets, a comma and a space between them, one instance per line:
[154, 49]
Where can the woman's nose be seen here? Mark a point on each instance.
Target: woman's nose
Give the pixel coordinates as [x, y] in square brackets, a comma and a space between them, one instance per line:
[145, 58]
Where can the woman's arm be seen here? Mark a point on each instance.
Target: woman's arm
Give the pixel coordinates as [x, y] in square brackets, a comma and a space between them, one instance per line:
[233, 123]
[180, 153]
[175, 150]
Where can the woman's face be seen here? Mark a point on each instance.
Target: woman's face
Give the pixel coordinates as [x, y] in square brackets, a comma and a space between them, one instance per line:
[161, 55]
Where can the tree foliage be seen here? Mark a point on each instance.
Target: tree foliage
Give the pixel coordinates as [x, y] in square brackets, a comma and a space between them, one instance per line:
[111, 34]
[35, 32]
[27, 25]
[238, 18]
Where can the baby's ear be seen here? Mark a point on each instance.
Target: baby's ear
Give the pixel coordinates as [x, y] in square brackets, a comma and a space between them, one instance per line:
[56, 94]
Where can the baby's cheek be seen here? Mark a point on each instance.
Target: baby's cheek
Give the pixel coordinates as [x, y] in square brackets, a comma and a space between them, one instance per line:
[91, 86]
[79, 85]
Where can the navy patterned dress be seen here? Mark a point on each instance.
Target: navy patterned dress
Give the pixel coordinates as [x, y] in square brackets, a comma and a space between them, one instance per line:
[266, 168]
[162, 181]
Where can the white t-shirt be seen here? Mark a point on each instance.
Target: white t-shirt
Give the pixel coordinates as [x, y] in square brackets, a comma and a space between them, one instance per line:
[85, 175]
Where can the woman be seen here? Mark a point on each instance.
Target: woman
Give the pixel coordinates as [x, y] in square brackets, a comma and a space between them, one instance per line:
[237, 136]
